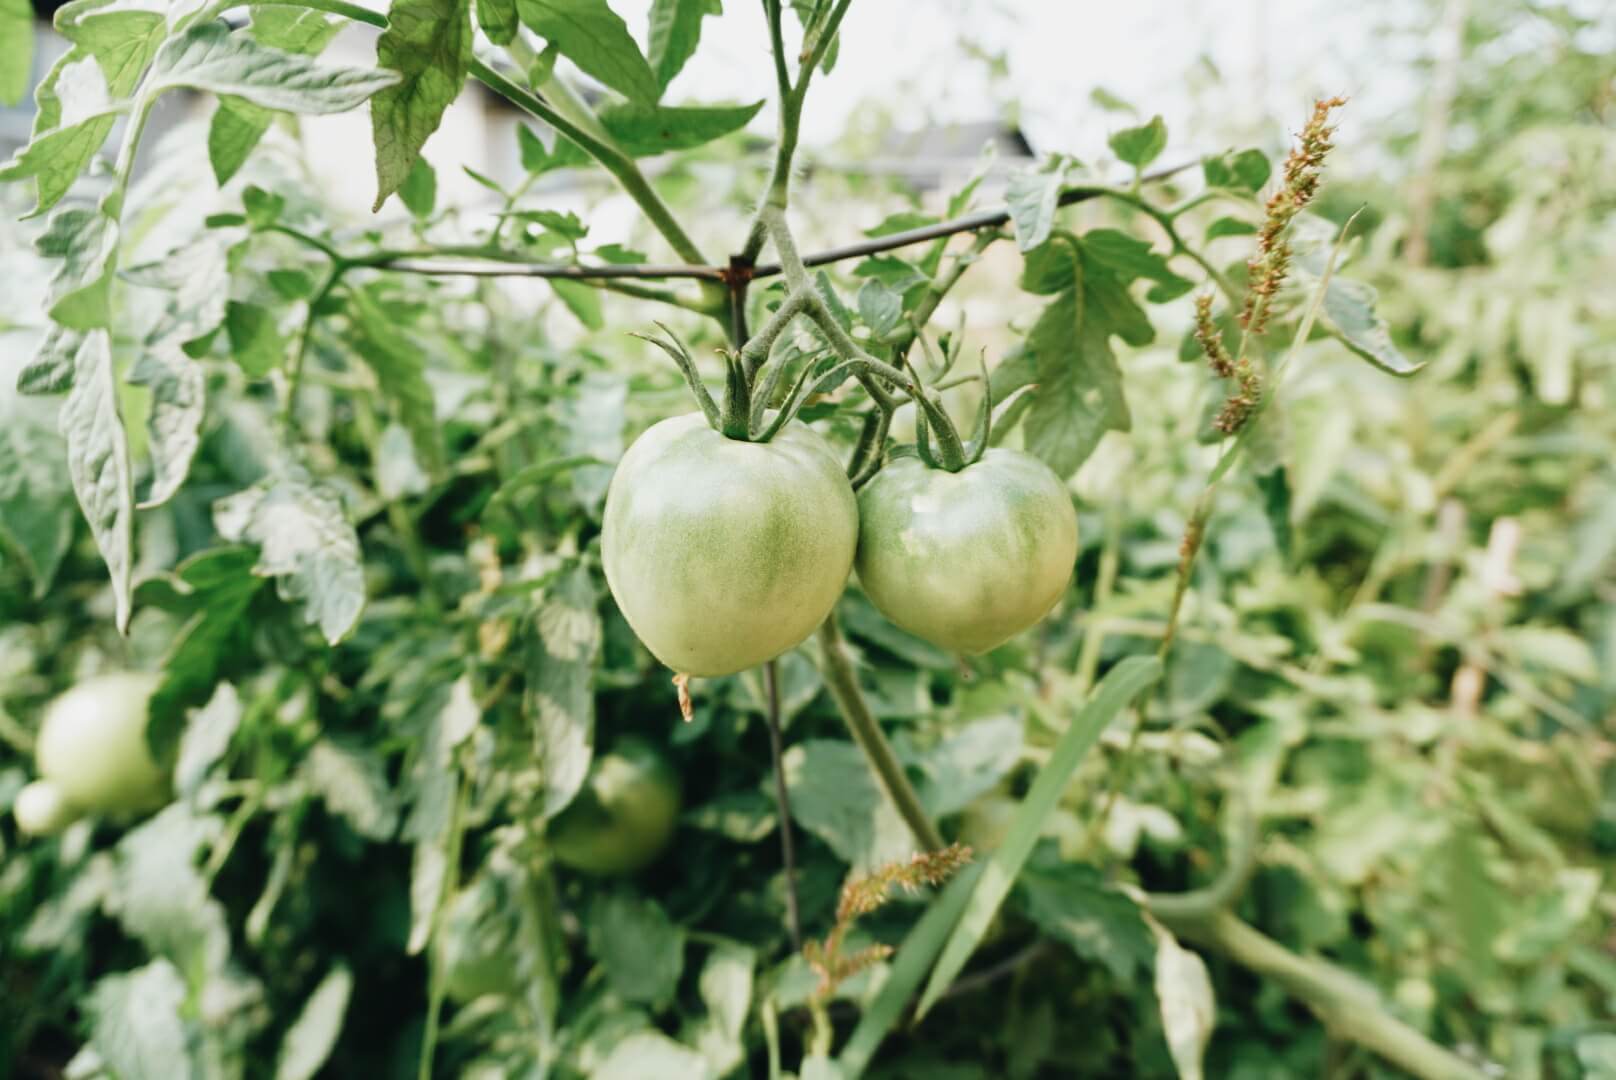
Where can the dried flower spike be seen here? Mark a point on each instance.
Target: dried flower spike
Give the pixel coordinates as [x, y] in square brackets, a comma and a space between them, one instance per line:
[1299, 184]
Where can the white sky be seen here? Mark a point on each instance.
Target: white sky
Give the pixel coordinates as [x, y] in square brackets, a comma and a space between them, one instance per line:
[915, 57]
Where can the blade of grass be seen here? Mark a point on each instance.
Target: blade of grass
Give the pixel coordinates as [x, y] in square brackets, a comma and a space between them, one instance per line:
[1120, 686]
[909, 966]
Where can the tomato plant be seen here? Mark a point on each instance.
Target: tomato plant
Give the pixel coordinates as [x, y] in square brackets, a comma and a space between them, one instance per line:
[1256, 636]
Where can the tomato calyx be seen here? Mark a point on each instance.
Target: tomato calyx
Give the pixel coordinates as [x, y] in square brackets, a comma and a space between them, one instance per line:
[752, 379]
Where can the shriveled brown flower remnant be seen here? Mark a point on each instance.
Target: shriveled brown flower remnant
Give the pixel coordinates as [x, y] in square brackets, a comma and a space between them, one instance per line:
[862, 895]
[1299, 184]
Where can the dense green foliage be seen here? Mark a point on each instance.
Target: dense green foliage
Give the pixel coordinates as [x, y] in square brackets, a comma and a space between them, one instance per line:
[349, 508]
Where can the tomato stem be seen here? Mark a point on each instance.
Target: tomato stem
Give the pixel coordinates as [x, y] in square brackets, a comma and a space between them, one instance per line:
[842, 681]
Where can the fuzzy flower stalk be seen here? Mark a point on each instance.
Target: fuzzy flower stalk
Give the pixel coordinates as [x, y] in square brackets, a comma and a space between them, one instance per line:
[862, 895]
[1300, 183]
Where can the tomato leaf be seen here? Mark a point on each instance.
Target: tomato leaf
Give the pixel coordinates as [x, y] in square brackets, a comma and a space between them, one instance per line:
[644, 130]
[255, 343]
[428, 42]
[563, 639]
[498, 20]
[237, 123]
[1031, 196]
[209, 57]
[309, 1040]
[86, 243]
[174, 424]
[98, 462]
[135, 1022]
[1139, 146]
[36, 497]
[675, 33]
[400, 371]
[305, 542]
[591, 35]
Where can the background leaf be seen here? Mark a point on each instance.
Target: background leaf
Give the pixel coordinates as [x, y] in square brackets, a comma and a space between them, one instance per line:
[428, 43]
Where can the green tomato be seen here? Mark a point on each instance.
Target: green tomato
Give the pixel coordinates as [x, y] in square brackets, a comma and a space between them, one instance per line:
[723, 554]
[92, 746]
[479, 944]
[966, 560]
[624, 816]
[42, 810]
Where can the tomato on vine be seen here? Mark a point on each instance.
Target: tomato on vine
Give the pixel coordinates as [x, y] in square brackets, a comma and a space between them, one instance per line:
[965, 546]
[624, 816]
[727, 541]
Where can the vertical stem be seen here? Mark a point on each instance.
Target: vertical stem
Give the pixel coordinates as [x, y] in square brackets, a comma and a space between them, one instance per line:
[782, 799]
[844, 688]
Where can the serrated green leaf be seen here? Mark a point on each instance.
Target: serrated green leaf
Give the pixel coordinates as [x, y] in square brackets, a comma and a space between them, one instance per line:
[879, 307]
[419, 192]
[85, 113]
[642, 950]
[498, 20]
[255, 341]
[174, 422]
[51, 369]
[98, 462]
[309, 1040]
[1246, 170]
[1188, 1008]
[1229, 226]
[619, 255]
[1120, 686]
[1139, 146]
[400, 371]
[1349, 308]
[428, 43]
[1072, 904]
[85, 242]
[591, 35]
[209, 57]
[535, 157]
[305, 542]
[36, 498]
[675, 33]
[1031, 198]
[136, 1025]
[644, 130]
[582, 300]
[563, 640]
[237, 124]
[219, 587]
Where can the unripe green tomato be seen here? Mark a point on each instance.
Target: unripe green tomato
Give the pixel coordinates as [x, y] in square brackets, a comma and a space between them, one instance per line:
[92, 746]
[42, 810]
[723, 554]
[969, 559]
[624, 816]
[479, 954]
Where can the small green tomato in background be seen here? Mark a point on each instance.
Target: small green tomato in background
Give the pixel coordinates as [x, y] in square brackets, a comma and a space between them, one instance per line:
[480, 951]
[723, 553]
[624, 816]
[41, 809]
[92, 747]
[966, 559]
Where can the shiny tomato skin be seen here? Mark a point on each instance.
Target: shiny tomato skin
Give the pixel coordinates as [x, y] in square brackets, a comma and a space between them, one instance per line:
[969, 559]
[723, 554]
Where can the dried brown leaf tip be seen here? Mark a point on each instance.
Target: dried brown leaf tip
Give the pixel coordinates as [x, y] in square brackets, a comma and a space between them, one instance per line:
[862, 895]
[1298, 186]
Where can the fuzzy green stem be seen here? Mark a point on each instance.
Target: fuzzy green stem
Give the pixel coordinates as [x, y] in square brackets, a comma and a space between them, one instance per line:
[842, 681]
